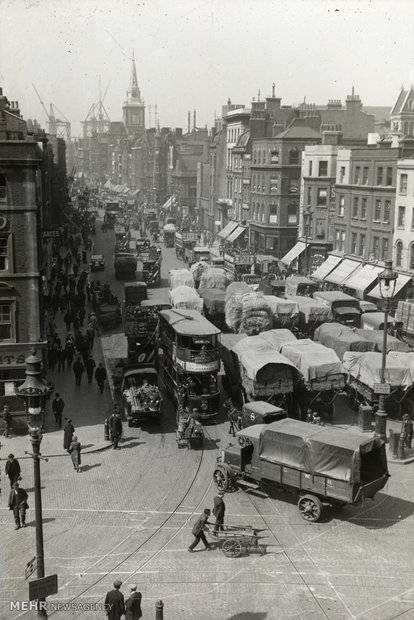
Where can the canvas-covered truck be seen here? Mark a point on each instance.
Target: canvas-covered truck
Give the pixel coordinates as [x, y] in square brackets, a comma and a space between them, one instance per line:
[125, 265]
[169, 235]
[142, 396]
[312, 314]
[364, 379]
[322, 465]
[183, 241]
[342, 338]
[343, 308]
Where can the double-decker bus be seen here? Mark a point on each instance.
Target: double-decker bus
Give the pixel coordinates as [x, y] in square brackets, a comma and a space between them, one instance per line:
[191, 360]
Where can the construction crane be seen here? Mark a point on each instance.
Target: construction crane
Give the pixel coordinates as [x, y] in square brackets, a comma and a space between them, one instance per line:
[97, 120]
[57, 127]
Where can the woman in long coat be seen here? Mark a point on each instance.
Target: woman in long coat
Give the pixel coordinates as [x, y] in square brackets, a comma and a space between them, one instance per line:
[68, 431]
[75, 453]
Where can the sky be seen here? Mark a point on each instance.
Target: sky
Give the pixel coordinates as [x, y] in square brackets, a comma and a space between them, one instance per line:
[195, 54]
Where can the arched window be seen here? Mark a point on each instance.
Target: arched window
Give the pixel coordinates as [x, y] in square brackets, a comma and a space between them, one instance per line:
[398, 253]
[412, 256]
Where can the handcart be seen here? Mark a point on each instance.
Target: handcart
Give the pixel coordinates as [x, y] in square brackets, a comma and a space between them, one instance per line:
[236, 538]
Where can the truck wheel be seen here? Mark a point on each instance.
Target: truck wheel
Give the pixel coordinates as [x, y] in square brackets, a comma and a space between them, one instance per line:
[310, 507]
[221, 478]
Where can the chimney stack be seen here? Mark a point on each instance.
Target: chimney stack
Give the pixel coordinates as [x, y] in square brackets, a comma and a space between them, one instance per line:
[194, 116]
[188, 123]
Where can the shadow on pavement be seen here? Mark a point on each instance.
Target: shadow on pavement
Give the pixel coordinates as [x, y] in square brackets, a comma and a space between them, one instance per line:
[33, 523]
[133, 444]
[248, 615]
[88, 467]
[32, 489]
[384, 512]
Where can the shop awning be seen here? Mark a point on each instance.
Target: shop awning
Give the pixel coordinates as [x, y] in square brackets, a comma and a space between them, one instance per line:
[228, 229]
[400, 283]
[343, 271]
[168, 203]
[293, 253]
[236, 234]
[361, 279]
[326, 267]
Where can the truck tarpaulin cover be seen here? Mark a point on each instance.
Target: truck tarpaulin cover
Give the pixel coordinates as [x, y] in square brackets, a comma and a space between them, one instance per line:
[186, 298]
[278, 337]
[229, 357]
[326, 451]
[214, 300]
[214, 277]
[366, 368]
[341, 338]
[180, 277]
[313, 359]
[310, 309]
[282, 307]
[233, 307]
[376, 336]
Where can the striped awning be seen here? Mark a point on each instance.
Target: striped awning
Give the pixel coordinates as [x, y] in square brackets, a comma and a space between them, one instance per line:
[402, 280]
[294, 253]
[362, 278]
[326, 267]
[342, 271]
[228, 229]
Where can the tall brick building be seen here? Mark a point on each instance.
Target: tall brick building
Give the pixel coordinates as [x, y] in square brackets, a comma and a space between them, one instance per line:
[20, 215]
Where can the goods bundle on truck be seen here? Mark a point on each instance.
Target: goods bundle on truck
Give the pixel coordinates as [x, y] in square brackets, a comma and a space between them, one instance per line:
[214, 305]
[197, 269]
[186, 298]
[312, 313]
[323, 377]
[365, 380]
[342, 338]
[233, 305]
[285, 312]
[214, 277]
[180, 277]
[256, 314]
[142, 396]
[322, 466]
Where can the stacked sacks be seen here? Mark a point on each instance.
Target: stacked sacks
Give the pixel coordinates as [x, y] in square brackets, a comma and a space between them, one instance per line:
[186, 298]
[180, 277]
[197, 269]
[233, 304]
[214, 277]
[256, 314]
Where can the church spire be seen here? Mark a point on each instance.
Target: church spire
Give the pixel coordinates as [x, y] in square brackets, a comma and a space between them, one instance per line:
[133, 92]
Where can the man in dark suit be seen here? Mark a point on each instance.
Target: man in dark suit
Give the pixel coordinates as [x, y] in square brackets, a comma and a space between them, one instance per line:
[218, 511]
[115, 602]
[12, 469]
[57, 407]
[18, 503]
[115, 426]
[198, 532]
[133, 605]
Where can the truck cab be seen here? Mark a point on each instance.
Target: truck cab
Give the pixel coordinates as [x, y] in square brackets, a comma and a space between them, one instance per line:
[344, 308]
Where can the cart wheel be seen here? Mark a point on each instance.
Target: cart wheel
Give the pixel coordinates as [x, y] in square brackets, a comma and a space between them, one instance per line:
[232, 548]
[310, 507]
[221, 478]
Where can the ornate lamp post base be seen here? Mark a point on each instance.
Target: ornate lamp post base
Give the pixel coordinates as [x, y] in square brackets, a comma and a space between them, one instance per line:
[381, 425]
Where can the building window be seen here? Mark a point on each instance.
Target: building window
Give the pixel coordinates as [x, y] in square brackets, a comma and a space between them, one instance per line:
[355, 207]
[363, 209]
[412, 256]
[310, 168]
[384, 255]
[365, 175]
[401, 217]
[292, 214]
[5, 252]
[341, 206]
[273, 213]
[403, 184]
[398, 253]
[375, 246]
[264, 156]
[377, 211]
[259, 156]
[357, 177]
[320, 229]
[5, 322]
[323, 168]
[342, 240]
[353, 243]
[309, 195]
[380, 175]
[270, 242]
[294, 156]
[322, 196]
[261, 241]
[389, 177]
[362, 245]
[342, 174]
[3, 188]
[387, 211]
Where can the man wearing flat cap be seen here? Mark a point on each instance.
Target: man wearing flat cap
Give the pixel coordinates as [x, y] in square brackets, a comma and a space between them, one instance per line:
[12, 469]
[219, 510]
[115, 602]
[133, 604]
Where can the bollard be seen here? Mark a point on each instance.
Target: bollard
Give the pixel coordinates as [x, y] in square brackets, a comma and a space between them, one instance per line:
[393, 443]
[159, 610]
[106, 430]
[401, 447]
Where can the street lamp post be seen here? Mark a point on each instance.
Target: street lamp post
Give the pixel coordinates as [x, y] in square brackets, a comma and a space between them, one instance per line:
[386, 281]
[307, 215]
[34, 392]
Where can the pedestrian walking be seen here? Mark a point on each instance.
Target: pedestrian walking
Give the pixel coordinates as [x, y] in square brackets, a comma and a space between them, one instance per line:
[69, 350]
[12, 469]
[218, 511]
[18, 503]
[100, 376]
[115, 603]
[90, 334]
[7, 420]
[61, 356]
[75, 453]
[198, 530]
[90, 366]
[82, 313]
[133, 604]
[57, 407]
[115, 427]
[68, 320]
[78, 369]
[68, 431]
